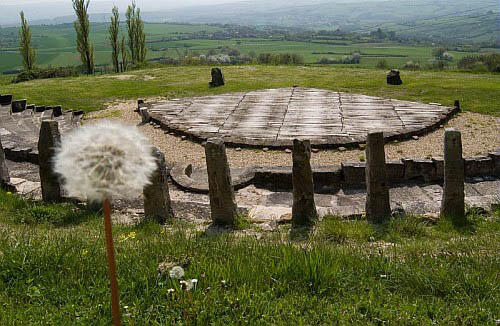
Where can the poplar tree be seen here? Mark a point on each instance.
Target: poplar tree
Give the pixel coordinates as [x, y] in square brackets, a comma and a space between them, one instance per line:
[114, 29]
[131, 28]
[82, 27]
[136, 35]
[140, 38]
[27, 51]
[124, 54]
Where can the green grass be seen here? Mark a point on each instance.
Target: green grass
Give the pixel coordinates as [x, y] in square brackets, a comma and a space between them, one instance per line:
[346, 272]
[56, 46]
[477, 92]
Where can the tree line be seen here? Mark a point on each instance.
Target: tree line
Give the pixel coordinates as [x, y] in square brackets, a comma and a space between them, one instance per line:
[133, 55]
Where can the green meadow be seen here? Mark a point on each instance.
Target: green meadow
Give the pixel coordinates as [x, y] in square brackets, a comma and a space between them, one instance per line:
[477, 92]
[409, 271]
[55, 46]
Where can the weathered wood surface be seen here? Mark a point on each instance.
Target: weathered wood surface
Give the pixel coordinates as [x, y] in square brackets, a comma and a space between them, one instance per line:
[274, 117]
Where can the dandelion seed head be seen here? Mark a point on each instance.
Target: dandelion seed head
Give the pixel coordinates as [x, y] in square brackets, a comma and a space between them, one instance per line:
[186, 285]
[176, 272]
[105, 160]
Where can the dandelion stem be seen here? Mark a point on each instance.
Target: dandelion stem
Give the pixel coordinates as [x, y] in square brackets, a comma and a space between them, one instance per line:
[115, 301]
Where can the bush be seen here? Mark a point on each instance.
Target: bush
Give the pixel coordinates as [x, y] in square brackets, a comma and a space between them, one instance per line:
[484, 62]
[382, 64]
[355, 58]
[46, 73]
[436, 64]
[280, 59]
[438, 52]
[447, 56]
[410, 65]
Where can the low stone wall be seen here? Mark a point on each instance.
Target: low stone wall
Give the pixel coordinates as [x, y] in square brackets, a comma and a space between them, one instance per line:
[20, 127]
[327, 178]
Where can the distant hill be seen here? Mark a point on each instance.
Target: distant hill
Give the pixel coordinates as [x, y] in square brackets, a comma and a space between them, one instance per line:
[438, 19]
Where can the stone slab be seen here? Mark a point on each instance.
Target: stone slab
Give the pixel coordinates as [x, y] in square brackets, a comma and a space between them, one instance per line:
[277, 116]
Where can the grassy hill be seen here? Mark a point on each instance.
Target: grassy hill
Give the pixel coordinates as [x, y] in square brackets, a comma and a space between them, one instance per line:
[477, 92]
[356, 15]
[56, 46]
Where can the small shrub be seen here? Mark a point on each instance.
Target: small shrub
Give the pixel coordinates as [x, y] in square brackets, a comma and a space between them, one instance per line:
[39, 73]
[410, 65]
[436, 64]
[447, 56]
[382, 64]
[484, 62]
[355, 58]
[280, 59]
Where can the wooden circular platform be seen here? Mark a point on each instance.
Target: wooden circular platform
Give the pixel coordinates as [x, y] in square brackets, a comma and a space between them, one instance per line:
[274, 117]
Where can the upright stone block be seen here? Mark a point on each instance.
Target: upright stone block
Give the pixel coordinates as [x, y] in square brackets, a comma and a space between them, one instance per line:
[217, 78]
[378, 205]
[18, 106]
[304, 208]
[57, 111]
[222, 202]
[76, 117]
[157, 203]
[48, 142]
[4, 172]
[5, 99]
[453, 204]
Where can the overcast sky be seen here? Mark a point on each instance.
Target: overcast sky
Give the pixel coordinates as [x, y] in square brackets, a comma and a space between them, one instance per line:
[141, 3]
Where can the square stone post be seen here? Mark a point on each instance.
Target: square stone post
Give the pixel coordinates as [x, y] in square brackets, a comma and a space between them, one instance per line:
[222, 201]
[47, 143]
[304, 208]
[4, 171]
[453, 204]
[378, 207]
[157, 203]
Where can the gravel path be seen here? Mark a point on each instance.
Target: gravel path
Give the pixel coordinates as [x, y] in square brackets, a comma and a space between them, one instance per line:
[480, 135]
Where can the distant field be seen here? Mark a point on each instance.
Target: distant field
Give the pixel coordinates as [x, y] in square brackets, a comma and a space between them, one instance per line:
[477, 92]
[395, 54]
[56, 46]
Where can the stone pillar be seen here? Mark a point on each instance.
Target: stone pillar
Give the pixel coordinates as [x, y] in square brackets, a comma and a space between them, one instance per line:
[47, 143]
[157, 204]
[222, 203]
[453, 204]
[303, 209]
[4, 172]
[378, 207]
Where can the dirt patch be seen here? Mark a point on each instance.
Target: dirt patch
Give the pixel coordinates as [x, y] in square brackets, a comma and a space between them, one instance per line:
[121, 77]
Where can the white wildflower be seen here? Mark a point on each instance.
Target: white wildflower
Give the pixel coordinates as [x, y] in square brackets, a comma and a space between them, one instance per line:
[170, 291]
[177, 272]
[186, 285]
[105, 160]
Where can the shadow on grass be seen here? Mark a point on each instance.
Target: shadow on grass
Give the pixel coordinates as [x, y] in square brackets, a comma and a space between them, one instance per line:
[16, 209]
[301, 232]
